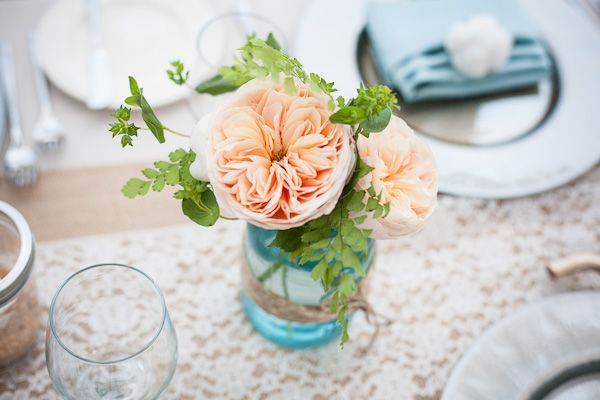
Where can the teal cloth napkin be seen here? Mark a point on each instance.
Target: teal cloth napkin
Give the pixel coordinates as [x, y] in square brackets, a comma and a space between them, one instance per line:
[408, 37]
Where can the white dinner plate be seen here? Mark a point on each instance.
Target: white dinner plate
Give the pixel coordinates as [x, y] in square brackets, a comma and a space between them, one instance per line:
[564, 146]
[140, 37]
[546, 350]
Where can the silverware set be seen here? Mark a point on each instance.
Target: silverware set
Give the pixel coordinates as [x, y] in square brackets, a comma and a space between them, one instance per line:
[20, 160]
[48, 133]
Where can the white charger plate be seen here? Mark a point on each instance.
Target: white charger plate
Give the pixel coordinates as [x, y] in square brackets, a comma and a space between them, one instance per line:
[140, 37]
[525, 351]
[565, 146]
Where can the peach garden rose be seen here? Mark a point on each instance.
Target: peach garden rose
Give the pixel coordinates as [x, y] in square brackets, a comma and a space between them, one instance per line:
[404, 173]
[273, 158]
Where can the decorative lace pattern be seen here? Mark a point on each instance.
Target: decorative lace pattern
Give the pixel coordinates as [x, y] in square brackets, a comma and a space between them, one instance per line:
[475, 262]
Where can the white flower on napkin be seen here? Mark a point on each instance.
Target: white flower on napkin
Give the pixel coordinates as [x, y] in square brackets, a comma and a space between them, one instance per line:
[478, 46]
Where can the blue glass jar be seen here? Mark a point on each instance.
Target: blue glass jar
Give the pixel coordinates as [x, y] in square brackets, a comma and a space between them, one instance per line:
[293, 282]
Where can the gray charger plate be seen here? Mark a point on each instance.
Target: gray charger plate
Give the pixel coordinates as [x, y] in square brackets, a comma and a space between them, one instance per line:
[549, 350]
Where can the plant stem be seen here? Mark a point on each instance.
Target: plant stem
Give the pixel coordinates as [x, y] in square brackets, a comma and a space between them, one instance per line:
[270, 271]
[175, 132]
[284, 282]
[169, 130]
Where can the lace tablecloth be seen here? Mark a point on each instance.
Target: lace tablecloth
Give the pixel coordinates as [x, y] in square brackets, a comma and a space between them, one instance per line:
[475, 262]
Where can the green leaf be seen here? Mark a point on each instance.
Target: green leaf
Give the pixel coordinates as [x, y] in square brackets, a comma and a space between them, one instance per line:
[122, 113]
[272, 42]
[151, 121]
[133, 100]
[172, 175]
[177, 155]
[205, 214]
[216, 85]
[159, 183]
[377, 122]
[144, 188]
[289, 85]
[378, 211]
[348, 115]
[360, 170]
[126, 141]
[135, 187]
[288, 240]
[333, 304]
[356, 201]
[162, 165]
[133, 86]
[177, 74]
[360, 219]
[318, 272]
[347, 285]
[344, 337]
[150, 173]
[351, 260]
[372, 204]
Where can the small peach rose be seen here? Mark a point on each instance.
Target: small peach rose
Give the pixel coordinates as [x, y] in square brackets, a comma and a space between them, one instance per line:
[404, 173]
[274, 159]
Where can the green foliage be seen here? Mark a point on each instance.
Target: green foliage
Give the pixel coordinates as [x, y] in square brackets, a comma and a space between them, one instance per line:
[376, 122]
[349, 115]
[137, 99]
[361, 169]
[135, 187]
[122, 127]
[371, 109]
[374, 99]
[217, 85]
[198, 200]
[261, 59]
[272, 42]
[335, 241]
[204, 210]
[177, 73]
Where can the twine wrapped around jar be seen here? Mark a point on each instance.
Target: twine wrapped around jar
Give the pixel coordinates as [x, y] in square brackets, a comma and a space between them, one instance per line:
[285, 309]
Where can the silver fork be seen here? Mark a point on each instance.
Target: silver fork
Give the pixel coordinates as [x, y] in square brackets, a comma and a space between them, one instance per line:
[48, 133]
[20, 161]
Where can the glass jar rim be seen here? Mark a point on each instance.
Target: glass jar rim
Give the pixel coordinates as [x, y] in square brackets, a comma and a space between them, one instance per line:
[18, 275]
[153, 338]
[280, 36]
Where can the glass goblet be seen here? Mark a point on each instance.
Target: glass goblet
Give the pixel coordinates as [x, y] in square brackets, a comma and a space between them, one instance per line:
[110, 336]
[218, 42]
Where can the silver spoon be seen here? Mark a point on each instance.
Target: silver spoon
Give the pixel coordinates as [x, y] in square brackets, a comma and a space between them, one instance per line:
[48, 133]
[20, 161]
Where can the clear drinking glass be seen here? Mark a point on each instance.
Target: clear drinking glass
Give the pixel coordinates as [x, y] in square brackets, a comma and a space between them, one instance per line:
[218, 42]
[219, 39]
[110, 336]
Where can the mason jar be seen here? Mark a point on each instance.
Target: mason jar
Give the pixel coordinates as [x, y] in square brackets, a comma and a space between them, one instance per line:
[292, 282]
[19, 308]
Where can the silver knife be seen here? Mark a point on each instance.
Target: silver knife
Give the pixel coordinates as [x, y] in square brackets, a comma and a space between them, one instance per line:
[99, 94]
